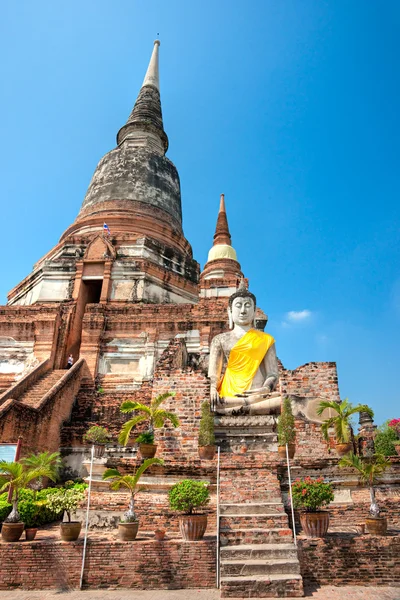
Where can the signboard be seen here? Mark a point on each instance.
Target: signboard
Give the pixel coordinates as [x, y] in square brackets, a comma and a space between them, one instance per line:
[7, 452]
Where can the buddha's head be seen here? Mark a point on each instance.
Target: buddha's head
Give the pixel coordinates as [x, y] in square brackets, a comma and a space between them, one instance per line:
[242, 308]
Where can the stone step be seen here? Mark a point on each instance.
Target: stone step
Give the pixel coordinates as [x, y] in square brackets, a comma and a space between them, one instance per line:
[251, 566]
[284, 585]
[251, 521]
[256, 535]
[261, 508]
[267, 551]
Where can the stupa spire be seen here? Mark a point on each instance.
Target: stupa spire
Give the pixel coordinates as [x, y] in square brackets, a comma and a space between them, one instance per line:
[152, 75]
[222, 234]
[145, 124]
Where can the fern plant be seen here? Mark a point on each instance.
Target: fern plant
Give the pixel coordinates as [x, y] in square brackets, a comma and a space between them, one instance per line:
[153, 415]
[341, 421]
[130, 482]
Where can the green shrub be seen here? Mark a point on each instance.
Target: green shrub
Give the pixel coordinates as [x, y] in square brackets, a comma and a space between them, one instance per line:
[28, 512]
[97, 435]
[65, 501]
[5, 509]
[26, 494]
[384, 440]
[187, 495]
[286, 428]
[76, 485]
[206, 432]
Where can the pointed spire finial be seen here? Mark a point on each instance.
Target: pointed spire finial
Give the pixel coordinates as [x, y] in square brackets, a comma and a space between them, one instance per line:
[144, 126]
[222, 235]
[152, 75]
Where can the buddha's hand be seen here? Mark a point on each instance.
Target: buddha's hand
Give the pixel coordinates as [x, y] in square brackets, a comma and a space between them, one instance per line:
[265, 389]
[214, 397]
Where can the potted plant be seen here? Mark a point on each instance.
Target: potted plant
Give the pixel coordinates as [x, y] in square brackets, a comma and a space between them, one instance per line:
[309, 495]
[341, 422]
[67, 501]
[98, 436]
[207, 445]
[17, 476]
[129, 526]
[153, 415]
[187, 496]
[29, 510]
[286, 430]
[369, 470]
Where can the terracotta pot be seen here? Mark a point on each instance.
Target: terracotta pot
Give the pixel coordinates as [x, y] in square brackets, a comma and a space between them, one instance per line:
[315, 524]
[99, 450]
[193, 527]
[291, 451]
[30, 533]
[343, 449]
[376, 525]
[397, 448]
[127, 532]
[11, 532]
[148, 450]
[159, 534]
[207, 452]
[70, 531]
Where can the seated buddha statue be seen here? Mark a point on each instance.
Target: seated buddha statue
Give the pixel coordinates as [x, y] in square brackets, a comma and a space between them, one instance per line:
[251, 374]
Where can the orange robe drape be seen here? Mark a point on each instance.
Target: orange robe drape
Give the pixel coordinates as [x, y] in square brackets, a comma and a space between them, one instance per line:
[244, 361]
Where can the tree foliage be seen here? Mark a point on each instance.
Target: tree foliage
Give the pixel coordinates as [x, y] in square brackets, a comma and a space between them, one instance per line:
[369, 469]
[130, 482]
[384, 440]
[17, 476]
[206, 432]
[341, 422]
[153, 415]
[286, 427]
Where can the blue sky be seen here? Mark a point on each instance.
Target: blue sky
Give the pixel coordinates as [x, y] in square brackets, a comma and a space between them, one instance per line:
[290, 108]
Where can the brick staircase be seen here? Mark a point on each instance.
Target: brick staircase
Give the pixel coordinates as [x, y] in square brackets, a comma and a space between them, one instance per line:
[35, 393]
[258, 558]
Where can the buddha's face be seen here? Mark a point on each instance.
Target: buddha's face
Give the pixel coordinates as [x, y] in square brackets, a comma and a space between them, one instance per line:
[243, 311]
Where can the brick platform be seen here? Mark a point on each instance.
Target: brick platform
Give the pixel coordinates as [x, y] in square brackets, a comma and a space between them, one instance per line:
[142, 564]
[349, 559]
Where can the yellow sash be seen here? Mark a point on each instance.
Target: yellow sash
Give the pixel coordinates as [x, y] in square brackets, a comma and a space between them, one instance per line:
[244, 360]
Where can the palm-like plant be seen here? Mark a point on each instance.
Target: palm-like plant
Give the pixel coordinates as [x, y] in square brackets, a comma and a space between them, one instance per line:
[47, 460]
[153, 414]
[17, 476]
[117, 480]
[341, 422]
[369, 470]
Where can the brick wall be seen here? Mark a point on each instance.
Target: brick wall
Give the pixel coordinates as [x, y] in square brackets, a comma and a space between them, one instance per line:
[151, 508]
[312, 380]
[340, 559]
[172, 564]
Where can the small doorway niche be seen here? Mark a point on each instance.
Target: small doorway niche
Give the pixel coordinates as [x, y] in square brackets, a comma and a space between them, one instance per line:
[91, 291]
